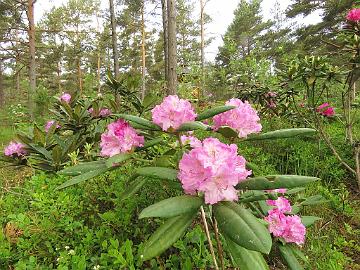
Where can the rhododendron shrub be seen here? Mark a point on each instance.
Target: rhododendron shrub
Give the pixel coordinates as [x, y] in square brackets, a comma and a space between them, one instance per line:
[65, 97]
[353, 15]
[49, 124]
[210, 176]
[326, 110]
[15, 149]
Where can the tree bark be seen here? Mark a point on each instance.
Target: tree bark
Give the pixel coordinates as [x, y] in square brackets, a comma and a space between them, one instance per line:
[202, 44]
[114, 47]
[172, 80]
[32, 63]
[143, 54]
[2, 96]
[165, 37]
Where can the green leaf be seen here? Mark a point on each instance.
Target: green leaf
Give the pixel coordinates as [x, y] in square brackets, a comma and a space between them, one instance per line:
[172, 207]
[212, 112]
[41, 150]
[56, 154]
[158, 172]
[228, 132]
[39, 136]
[134, 187]
[138, 120]
[114, 160]
[189, 126]
[81, 178]
[290, 258]
[276, 181]
[84, 167]
[309, 220]
[242, 227]
[246, 259]
[252, 196]
[150, 143]
[166, 235]
[313, 200]
[282, 134]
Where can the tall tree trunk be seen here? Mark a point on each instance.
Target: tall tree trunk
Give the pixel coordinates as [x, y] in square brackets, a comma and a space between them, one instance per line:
[79, 72]
[143, 54]
[32, 63]
[172, 80]
[114, 47]
[165, 37]
[2, 96]
[202, 44]
[98, 53]
[58, 72]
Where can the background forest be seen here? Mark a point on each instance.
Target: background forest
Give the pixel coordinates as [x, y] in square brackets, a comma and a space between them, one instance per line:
[123, 57]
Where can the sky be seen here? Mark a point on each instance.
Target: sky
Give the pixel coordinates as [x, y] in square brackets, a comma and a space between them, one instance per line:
[221, 11]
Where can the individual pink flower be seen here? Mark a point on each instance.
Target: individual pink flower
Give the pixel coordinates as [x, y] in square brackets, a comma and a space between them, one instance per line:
[66, 97]
[294, 230]
[104, 112]
[214, 169]
[49, 124]
[281, 204]
[15, 149]
[277, 222]
[119, 138]
[353, 15]
[191, 140]
[271, 94]
[172, 113]
[279, 190]
[243, 118]
[326, 110]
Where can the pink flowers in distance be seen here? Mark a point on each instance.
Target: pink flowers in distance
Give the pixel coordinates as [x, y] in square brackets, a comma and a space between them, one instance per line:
[243, 118]
[49, 124]
[119, 138]
[104, 112]
[289, 228]
[326, 110]
[15, 149]
[172, 113]
[353, 15]
[213, 168]
[66, 97]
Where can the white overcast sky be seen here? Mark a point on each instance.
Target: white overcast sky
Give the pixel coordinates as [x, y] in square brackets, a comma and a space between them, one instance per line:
[221, 11]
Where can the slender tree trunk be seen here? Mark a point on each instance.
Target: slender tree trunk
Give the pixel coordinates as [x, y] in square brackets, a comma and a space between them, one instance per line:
[114, 47]
[2, 96]
[172, 80]
[58, 72]
[165, 37]
[98, 53]
[32, 63]
[79, 72]
[143, 54]
[202, 44]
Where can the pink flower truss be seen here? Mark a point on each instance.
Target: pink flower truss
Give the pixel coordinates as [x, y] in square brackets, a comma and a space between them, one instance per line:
[326, 110]
[353, 15]
[214, 169]
[49, 124]
[173, 112]
[104, 112]
[66, 97]
[119, 138]
[282, 204]
[244, 118]
[15, 149]
[191, 140]
[289, 228]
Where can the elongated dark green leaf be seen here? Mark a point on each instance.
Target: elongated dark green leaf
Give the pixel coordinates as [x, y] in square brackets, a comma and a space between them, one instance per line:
[81, 178]
[166, 235]
[114, 160]
[290, 258]
[282, 134]
[242, 227]
[158, 172]
[24, 138]
[246, 259]
[56, 154]
[252, 196]
[83, 168]
[138, 120]
[276, 181]
[172, 207]
[189, 126]
[132, 188]
[309, 220]
[39, 136]
[313, 200]
[41, 150]
[228, 132]
[212, 112]
[150, 143]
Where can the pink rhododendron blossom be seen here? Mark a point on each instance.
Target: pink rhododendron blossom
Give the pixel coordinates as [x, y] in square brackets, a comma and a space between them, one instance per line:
[214, 169]
[326, 110]
[66, 97]
[277, 222]
[15, 149]
[244, 118]
[191, 140]
[119, 138]
[294, 230]
[271, 94]
[282, 204]
[104, 112]
[353, 15]
[173, 112]
[49, 124]
[279, 190]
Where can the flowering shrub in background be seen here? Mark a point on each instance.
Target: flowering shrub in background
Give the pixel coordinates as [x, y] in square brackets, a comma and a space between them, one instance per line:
[49, 124]
[326, 110]
[244, 119]
[353, 15]
[119, 138]
[172, 113]
[66, 97]
[15, 149]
